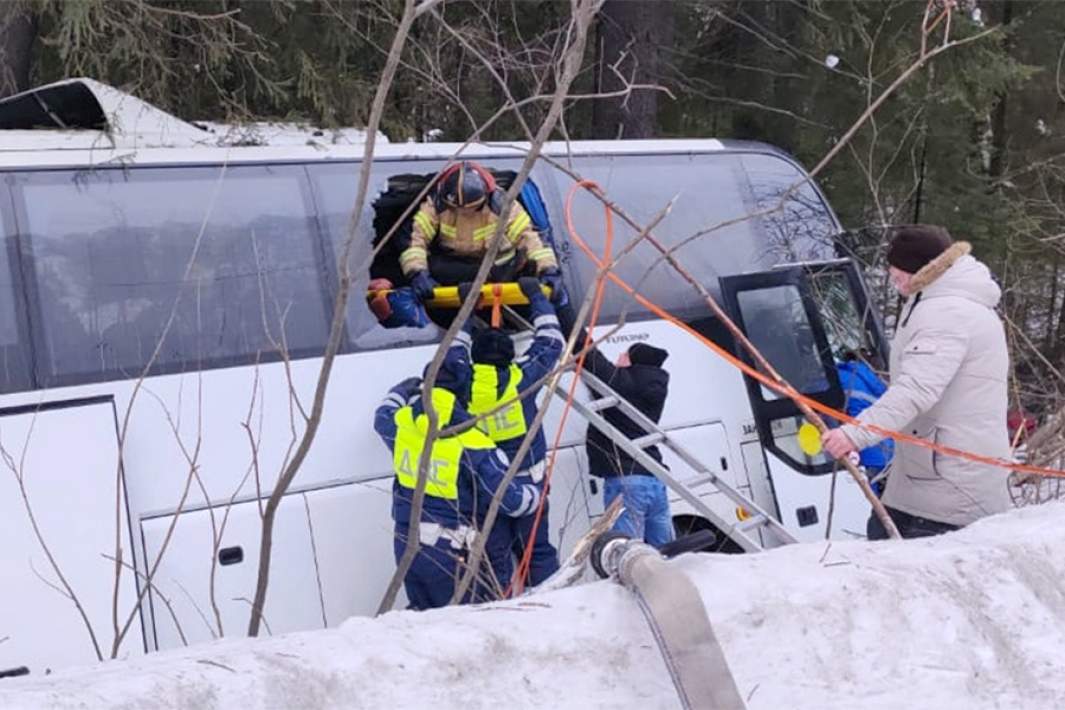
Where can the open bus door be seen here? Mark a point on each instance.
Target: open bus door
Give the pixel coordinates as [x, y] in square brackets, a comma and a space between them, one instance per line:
[803, 318]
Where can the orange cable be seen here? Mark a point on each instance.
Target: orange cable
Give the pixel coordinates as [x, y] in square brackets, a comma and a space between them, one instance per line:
[518, 581]
[791, 392]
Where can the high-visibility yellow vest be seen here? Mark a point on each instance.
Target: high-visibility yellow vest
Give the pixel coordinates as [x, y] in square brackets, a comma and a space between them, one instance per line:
[444, 460]
[507, 423]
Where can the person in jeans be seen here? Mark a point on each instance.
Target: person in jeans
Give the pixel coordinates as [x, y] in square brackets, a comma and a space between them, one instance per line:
[638, 377]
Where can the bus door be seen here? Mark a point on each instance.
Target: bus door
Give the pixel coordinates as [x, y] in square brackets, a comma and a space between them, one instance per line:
[58, 498]
[805, 319]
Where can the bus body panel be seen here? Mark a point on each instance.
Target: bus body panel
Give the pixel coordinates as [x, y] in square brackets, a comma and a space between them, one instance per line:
[61, 461]
[208, 443]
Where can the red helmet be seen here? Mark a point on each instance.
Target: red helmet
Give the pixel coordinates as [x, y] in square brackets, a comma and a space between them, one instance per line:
[465, 185]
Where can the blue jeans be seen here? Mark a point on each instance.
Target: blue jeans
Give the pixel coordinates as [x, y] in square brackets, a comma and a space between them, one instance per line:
[646, 516]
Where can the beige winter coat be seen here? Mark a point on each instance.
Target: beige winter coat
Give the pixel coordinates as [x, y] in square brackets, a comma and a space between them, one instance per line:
[949, 368]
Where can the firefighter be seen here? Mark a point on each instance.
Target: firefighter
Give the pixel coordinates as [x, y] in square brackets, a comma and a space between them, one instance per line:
[498, 377]
[453, 228]
[464, 471]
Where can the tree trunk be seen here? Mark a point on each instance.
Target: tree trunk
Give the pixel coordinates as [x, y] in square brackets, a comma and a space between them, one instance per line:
[18, 29]
[998, 115]
[630, 35]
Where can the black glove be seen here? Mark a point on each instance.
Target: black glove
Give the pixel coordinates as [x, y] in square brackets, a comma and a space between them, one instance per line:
[464, 291]
[566, 320]
[530, 287]
[423, 285]
[409, 387]
[552, 278]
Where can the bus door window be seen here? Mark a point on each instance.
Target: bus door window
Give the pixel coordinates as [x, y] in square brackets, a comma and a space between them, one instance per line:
[847, 322]
[781, 330]
[778, 324]
[802, 318]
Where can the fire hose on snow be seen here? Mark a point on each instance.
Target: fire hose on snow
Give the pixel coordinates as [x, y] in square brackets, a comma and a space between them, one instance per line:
[675, 613]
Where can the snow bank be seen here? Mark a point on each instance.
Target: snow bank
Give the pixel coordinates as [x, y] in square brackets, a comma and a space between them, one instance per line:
[970, 620]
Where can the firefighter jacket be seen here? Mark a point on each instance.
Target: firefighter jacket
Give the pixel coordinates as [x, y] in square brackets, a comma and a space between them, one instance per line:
[468, 235]
[496, 389]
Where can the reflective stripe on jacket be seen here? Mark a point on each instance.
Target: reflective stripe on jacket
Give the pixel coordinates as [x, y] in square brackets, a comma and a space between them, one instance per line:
[468, 234]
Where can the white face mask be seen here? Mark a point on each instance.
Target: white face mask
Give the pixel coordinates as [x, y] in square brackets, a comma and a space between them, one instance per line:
[900, 280]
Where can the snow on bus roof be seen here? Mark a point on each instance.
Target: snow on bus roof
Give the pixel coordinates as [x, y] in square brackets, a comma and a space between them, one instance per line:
[85, 123]
[88, 115]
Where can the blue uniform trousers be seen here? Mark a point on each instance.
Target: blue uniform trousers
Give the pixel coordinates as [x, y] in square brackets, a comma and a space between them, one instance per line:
[544, 562]
[506, 546]
[432, 576]
[435, 572]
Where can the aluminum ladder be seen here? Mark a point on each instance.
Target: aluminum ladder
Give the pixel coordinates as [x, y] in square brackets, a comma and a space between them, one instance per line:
[743, 532]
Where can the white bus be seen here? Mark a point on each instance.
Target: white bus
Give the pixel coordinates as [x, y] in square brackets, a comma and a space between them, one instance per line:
[103, 200]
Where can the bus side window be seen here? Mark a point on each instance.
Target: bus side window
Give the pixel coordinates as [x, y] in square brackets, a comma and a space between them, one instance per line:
[15, 352]
[335, 186]
[232, 253]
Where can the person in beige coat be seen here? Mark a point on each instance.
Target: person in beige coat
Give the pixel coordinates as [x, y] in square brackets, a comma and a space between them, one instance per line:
[948, 385]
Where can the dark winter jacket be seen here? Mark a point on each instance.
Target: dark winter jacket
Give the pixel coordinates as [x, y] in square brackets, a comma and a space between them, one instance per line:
[646, 387]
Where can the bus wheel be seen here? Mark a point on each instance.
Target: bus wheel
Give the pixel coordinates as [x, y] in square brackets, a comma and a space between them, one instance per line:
[687, 524]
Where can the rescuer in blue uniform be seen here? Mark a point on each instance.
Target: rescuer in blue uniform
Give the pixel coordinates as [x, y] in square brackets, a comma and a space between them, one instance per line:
[498, 379]
[464, 472]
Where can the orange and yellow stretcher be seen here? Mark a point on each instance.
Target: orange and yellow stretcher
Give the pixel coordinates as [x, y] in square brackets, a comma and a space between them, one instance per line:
[503, 294]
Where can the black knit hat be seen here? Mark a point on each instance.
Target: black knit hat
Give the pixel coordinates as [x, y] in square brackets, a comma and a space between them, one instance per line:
[913, 246]
[491, 346]
[453, 377]
[643, 354]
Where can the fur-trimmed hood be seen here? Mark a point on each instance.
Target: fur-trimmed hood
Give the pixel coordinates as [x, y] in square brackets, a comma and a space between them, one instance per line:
[956, 273]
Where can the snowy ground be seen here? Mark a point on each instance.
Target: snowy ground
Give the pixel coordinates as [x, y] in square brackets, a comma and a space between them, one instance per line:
[971, 620]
